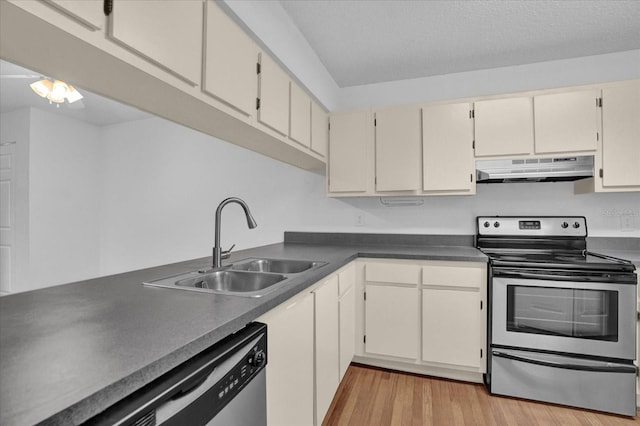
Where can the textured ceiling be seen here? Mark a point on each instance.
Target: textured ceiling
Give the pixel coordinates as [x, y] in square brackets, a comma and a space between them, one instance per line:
[362, 42]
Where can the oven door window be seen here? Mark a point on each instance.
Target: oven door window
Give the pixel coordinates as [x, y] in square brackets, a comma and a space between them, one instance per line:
[584, 314]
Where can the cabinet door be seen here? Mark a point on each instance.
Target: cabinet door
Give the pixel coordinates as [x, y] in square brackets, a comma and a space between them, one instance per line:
[391, 321]
[88, 12]
[347, 301]
[347, 329]
[230, 58]
[327, 345]
[621, 136]
[398, 138]
[447, 148]
[167, 32]
[300, 116]
[348, 159]
[566, 122]
[319, 129]
[273, 85]
[503, 127]
[452, 327]
[290, 371]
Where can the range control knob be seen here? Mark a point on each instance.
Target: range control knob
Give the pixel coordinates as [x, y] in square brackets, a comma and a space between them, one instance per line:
[564, 225]
[576, 225]
[257, 359]
[487, 224]
[496, 224]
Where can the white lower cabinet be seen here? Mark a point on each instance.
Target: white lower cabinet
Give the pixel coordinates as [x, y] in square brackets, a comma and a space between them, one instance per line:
[391, 321]
[422, 316]
[453, 314]
[310, 345]
[347, 302]
[448, 336]
[327, 350]
[290, 353]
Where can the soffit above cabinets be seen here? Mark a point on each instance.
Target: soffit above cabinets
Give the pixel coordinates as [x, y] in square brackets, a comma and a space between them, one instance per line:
[363, 42]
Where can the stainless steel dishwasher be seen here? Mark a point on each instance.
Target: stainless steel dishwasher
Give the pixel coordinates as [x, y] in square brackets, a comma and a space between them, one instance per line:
[223, 386]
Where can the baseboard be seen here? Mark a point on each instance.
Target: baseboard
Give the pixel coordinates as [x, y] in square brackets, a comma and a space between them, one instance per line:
[447, 373]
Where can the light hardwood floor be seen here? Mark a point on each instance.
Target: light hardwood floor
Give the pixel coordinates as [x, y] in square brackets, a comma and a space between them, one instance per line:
[369, 396]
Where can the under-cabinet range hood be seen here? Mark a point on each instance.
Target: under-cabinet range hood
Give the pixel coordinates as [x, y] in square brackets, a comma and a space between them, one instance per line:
[534, 169]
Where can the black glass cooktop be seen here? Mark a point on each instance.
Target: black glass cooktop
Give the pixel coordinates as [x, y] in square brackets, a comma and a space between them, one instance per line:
[558, 259]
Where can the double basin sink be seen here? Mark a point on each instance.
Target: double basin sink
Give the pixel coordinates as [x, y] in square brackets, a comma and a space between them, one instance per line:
[249, 277]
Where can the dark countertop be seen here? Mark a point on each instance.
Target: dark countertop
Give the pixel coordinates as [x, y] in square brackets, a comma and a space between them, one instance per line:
[70, 351]
[623, 248]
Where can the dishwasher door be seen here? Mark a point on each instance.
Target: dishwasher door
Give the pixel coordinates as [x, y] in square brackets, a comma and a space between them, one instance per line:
[248, 408]
[223, 386]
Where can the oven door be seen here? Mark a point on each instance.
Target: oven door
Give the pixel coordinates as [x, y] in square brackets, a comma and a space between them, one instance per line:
[585, 318]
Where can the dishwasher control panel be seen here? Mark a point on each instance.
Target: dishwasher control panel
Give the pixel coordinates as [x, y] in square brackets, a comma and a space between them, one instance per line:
[249, 365]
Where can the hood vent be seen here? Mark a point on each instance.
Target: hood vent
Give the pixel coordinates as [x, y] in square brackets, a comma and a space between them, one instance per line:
[534, 169]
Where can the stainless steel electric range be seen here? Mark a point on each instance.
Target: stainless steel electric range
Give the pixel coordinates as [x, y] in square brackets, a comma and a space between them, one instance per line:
[562, 320]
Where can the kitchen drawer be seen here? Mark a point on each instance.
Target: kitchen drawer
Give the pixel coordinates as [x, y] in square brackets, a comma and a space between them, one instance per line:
[392, 273]
[454, 274]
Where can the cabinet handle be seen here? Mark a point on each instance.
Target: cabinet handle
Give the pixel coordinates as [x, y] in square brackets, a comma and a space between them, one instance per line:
[108, 7]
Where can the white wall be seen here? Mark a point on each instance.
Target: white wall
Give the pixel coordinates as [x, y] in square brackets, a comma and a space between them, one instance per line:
[63, 200]
[162, 183]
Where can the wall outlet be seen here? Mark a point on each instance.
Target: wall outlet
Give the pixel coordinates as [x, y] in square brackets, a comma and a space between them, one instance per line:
[360, 219]
[627, 222]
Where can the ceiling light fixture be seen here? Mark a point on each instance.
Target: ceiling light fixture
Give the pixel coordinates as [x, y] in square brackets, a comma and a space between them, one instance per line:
[56, 91]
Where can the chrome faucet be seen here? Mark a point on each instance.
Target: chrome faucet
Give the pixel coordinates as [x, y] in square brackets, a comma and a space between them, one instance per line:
[218, 254]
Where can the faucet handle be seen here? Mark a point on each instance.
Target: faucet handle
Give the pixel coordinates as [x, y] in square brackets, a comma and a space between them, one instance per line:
[226, 253]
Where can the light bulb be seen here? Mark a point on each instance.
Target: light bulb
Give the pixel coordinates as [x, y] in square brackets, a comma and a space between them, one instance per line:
[58, 92]
[73, 95]
[42, 87]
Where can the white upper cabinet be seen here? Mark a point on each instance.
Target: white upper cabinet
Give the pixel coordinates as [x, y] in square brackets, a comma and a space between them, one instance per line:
[398, 138]
[621, 136]
[166, 32]
[348, 165]
[88, 12]
[300, 116]
[503, 127]
[273, 85]
[230, 58]
[566, 122]
[447, 149]
[319, 129]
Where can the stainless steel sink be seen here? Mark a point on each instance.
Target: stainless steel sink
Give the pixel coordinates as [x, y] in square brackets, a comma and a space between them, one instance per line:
[227, 281]
[249, 277]
[280, 266]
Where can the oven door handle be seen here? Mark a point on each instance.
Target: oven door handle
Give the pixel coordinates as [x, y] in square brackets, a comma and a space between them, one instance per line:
[534, 276]
[613, 368]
